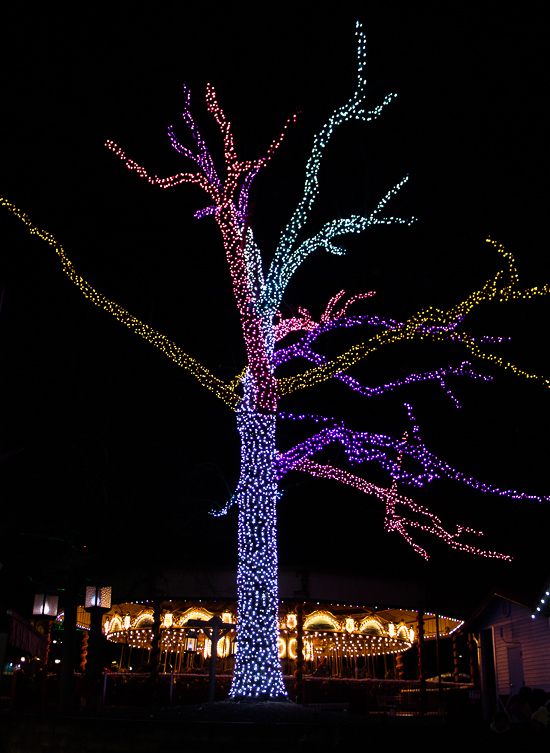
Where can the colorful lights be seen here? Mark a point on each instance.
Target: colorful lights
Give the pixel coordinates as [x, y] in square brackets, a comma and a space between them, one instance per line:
[288, 258]
[257, 665]
[254, 395]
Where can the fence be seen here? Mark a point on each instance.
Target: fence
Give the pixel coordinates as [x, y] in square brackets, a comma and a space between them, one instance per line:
[379, 698]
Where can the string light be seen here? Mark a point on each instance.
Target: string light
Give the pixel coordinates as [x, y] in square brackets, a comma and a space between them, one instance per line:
[541, 603]
[361, 447]
[430, 324]
[287, 259]
[257, 666]
[254, 394]
[355, 634]
[169, 348]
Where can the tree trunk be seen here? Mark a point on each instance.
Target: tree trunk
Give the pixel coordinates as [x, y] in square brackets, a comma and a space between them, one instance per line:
[258, 674]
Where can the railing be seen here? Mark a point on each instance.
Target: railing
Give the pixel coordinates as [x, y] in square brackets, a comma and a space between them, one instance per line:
[379, 698]
[391, 698]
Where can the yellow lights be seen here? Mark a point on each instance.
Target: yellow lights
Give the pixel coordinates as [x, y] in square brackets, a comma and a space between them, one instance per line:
[307, 651]
[194, 614]
[321, 617]
[208, 380]
[433, 324]
[224, 647]
[348, 632]
[404, 633]
[145, 618]
[172, 640]
[114, 624]
[291, 621]
[292, 649]
[371, 625]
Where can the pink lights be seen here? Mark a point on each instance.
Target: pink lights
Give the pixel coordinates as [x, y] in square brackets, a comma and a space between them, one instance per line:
[394, 522]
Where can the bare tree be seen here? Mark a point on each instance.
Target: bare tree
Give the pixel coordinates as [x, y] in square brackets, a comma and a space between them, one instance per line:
[272, 340]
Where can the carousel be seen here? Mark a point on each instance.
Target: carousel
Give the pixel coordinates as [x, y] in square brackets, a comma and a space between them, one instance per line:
[337, 640]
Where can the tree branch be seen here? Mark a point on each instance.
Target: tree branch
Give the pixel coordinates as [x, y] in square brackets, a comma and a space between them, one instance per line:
[169, 182]
[304, 321]
[353, 110]
[169, 348]
[431, 323]
[203, 158]
[394, 522]
[362, 447]
[324, 239]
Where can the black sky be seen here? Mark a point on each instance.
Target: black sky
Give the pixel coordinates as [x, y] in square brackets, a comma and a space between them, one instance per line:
[107, 443]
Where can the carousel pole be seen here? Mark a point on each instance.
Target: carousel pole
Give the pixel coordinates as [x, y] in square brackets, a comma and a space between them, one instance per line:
[421, 668]
[439, 686]
[455, 658]
[299, 674]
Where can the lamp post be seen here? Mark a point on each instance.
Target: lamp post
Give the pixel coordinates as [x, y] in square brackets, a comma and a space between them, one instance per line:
[97, 602]
[190, 647]
[45, 610]
[45, 606]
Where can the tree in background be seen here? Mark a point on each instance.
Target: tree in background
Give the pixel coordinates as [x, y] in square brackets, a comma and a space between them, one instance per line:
[272, 340]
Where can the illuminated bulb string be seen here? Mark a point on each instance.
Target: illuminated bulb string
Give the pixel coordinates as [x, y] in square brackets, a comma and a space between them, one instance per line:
[255, 393]
[257, 666]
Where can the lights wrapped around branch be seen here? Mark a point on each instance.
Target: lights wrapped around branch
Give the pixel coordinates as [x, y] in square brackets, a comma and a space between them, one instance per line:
[430, 324]
[395, 522]
[169, 348]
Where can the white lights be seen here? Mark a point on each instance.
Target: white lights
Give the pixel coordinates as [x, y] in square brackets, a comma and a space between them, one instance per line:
[257, 666]
[46, 605]
[98, 597]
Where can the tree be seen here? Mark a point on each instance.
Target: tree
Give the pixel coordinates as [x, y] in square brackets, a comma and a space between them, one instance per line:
[254, 396]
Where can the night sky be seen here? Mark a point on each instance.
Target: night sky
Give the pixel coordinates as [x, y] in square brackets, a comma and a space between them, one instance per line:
[112, 454]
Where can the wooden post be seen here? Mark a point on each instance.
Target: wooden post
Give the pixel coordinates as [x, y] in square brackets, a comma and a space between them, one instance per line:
[214, 637]
[299, 674]
[399, 666]
[154, 657]
[216, 629]
[455, 658]
[421, 668]
[439, 686]
[472, 649]
[66, 677]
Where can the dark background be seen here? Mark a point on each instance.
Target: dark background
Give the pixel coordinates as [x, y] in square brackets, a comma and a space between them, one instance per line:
[112, 455]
